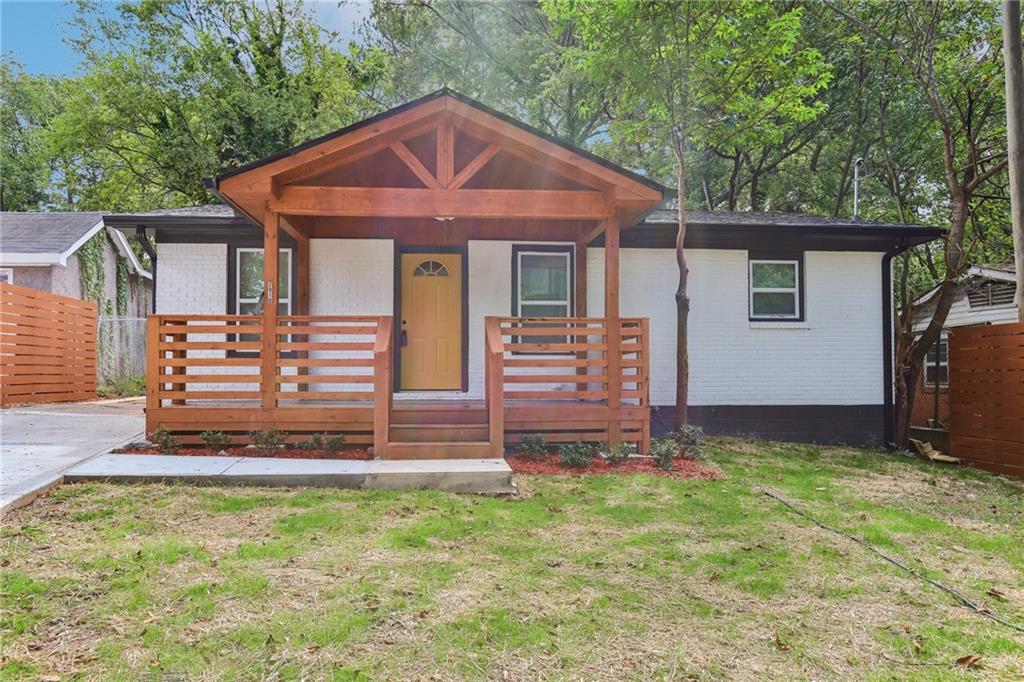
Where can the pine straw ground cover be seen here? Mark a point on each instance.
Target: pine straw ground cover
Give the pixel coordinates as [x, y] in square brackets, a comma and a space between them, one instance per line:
[584, 578]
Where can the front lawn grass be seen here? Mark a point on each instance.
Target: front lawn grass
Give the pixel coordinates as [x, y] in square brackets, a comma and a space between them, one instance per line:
[582, 578]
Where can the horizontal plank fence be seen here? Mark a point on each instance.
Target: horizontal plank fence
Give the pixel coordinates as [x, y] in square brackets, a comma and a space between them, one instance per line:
[47, 347]
[986, 394]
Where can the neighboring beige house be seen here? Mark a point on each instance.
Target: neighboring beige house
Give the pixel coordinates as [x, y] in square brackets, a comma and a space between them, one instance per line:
[53, 251]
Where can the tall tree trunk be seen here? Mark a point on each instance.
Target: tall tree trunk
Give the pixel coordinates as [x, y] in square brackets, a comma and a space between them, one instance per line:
[911, 351]
[682, 300]
[1015, 136]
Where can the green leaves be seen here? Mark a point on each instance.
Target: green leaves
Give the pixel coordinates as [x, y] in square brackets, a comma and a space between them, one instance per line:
[178, 90]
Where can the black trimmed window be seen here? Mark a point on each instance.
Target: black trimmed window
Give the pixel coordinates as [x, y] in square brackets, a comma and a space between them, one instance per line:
[245, 283]
[776, 288]
[543, 283]
[249, 280]
[936, 364]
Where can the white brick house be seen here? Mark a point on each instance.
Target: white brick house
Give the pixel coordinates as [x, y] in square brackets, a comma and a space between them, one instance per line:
[821, 378]
[790, 321]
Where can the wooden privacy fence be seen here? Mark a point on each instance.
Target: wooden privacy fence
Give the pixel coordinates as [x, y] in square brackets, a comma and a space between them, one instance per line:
[47, 347]
[986, 396]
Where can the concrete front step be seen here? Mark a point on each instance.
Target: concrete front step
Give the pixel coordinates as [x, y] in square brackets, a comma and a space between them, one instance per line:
[487, 476]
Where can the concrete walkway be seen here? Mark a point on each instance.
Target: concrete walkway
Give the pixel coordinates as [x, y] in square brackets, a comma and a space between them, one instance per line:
[38, 443]
[488, 476]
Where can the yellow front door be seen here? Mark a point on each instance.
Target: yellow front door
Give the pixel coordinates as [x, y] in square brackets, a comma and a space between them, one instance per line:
[431, 321]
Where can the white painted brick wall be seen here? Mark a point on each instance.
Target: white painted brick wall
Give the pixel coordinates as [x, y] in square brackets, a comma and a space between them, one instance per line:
[490, 293]
[349, 277]
[834, 358]
[193, 278]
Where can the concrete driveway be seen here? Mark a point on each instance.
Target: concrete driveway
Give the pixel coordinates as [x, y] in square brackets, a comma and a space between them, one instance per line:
[38, 443]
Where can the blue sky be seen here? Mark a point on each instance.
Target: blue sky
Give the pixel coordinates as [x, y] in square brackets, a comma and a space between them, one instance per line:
[33, 32]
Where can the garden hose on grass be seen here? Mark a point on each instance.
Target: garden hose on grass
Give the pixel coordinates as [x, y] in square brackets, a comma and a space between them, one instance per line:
[963, 599]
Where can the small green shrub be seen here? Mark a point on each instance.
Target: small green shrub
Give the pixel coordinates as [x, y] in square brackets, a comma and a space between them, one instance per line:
[690, 440]
[215, 440]
[576, 455]
[621, 452]
[123, 387]
[268, 441]
[321, 441]
[664, 450]
[533, 445]
[314, 442]
[164, 441]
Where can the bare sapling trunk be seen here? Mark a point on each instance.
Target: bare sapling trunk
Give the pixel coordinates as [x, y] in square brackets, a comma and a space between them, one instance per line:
[682, 299]
[1012, 59]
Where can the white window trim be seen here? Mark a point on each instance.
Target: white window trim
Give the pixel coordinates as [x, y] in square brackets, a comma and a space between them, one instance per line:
[239, 300]
[10, 275]
[567, 301]
[795, 290]
[929, 364]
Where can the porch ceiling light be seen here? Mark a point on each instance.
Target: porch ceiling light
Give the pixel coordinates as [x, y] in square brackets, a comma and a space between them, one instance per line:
[444, 218]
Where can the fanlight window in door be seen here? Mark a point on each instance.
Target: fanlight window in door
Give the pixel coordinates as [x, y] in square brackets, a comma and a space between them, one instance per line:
[430, 268]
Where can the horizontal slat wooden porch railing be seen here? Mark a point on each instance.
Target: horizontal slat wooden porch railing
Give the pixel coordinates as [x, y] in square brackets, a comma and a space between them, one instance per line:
[329, 373]
[555, 377]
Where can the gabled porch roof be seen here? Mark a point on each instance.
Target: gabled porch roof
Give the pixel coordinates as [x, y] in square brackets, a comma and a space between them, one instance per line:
[442, 156]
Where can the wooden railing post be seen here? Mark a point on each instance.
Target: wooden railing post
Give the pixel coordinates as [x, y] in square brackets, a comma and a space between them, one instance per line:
[644, 385]
[382, 386]
[268, 335]
[495, 373]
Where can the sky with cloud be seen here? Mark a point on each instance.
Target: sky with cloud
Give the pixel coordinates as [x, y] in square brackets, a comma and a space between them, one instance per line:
[34, 32]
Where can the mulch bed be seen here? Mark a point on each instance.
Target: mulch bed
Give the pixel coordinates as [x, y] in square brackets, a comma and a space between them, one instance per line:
[283, 453]
[549, 464]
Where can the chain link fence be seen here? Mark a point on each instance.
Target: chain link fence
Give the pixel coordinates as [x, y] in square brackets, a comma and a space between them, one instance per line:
[120, 349]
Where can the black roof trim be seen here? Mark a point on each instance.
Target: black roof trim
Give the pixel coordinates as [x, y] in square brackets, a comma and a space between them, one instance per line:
[213, 183]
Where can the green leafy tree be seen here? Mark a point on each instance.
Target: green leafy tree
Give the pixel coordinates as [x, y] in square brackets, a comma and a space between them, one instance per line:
[507, 54]
[26, 107]
[689, 75]
[178, 90]
[951, 52]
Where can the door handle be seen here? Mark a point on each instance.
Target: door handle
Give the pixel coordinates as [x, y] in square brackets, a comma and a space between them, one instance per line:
[403, 339]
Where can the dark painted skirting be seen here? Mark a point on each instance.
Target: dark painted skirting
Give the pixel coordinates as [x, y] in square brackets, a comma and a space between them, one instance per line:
[826, 424]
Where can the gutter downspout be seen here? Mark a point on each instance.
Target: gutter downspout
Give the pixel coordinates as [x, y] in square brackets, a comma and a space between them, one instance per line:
[889, 416]
[140, 234]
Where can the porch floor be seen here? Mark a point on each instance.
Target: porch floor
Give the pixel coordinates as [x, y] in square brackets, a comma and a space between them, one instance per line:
[484, 476]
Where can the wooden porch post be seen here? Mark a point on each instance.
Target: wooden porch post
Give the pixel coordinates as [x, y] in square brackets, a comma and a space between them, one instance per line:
[614, 329]
[268, 349]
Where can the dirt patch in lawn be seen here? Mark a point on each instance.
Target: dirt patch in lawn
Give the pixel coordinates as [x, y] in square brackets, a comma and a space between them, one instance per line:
[550, 464]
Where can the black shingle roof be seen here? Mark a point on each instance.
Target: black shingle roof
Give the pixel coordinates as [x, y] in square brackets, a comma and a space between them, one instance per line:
[44, 232]
[668, 216]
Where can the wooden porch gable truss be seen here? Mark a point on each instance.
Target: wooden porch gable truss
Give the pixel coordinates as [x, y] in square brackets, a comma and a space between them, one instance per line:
[441, 157]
